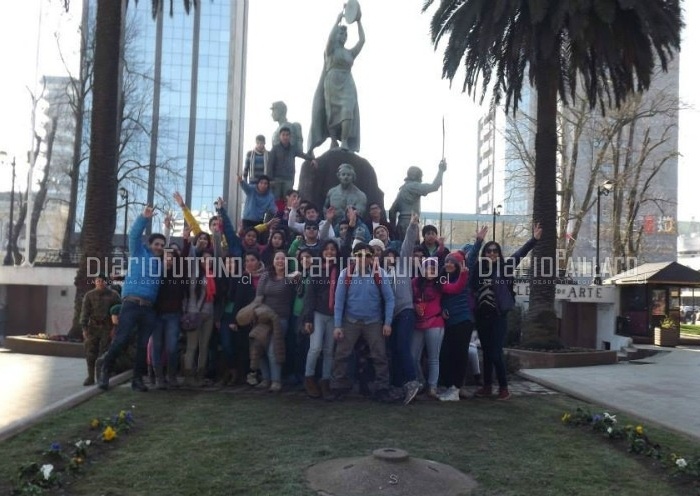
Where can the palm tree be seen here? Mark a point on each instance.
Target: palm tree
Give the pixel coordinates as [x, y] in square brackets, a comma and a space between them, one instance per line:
[100, 216]
[610, 47]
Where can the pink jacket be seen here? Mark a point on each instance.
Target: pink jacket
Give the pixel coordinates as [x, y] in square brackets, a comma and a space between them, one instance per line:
[430, 299]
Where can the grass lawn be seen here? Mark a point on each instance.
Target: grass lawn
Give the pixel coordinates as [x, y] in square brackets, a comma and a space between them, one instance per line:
[690, 329]
[203, 443]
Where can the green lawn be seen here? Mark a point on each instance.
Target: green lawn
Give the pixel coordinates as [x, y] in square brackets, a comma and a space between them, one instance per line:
[200, 443]
[690, 329]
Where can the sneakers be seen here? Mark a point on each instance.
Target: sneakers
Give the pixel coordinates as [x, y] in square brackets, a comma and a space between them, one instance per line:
[484, 392]
[275, 387]
[503, 394]
[264, 384]
[252, 378]
[451, 394]
[432, 392]
[411, 388]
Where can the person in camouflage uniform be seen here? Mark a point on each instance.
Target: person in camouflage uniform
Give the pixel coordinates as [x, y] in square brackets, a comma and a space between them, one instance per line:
[96, 322]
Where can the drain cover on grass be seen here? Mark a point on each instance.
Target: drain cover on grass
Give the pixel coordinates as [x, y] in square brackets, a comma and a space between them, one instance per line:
[387, 471]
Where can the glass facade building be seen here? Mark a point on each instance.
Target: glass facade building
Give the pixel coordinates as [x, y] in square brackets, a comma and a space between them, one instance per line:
[183, 85]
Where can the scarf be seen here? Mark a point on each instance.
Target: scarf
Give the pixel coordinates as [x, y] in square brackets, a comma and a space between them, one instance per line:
[210, 288]
[334, 283]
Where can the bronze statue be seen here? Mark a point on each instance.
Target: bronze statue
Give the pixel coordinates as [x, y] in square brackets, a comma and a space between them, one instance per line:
[335, 112]
[279, 115]
[346, 194]
[408, 198]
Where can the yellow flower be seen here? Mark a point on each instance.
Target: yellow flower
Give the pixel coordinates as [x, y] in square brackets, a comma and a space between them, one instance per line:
[109, 434]
[566, 417]
[639, 430]
[94, 423]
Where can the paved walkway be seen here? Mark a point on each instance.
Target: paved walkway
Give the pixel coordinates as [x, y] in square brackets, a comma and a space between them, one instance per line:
[662, 388]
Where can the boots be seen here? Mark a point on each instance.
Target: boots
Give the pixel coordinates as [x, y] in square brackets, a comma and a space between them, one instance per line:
[189, 379]
[103, 373]
[326, 390]
[311, 387]
[172, 379]
[138, 385]
[90, 380]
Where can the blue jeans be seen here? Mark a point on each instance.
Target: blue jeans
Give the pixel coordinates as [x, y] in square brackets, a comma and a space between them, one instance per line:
[136, 318]
[321, 339]
[492, 334]
[402, 365]
[432, 340]
[269, 368]
[166, 332]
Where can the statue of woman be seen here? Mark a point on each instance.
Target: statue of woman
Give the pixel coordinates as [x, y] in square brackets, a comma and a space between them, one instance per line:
[336, 113]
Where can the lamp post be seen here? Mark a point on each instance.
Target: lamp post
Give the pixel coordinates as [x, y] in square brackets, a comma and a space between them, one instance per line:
[603, 190]
[9, 257]
[496, 211]
[124, 194]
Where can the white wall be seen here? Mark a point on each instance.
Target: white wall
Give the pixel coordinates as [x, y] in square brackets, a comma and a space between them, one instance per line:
[59, 309]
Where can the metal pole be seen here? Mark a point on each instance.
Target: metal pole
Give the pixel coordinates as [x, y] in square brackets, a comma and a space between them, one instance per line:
[9, 257]
[126, 221]
[493, 231]
[597, 280]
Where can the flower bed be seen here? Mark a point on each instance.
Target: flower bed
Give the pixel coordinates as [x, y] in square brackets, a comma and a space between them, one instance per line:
[62, 462]
[43, 344]
[685, 468]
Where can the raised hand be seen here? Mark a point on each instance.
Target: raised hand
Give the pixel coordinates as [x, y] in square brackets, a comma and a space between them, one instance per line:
[178, 199]
[330, 214]
[415, 219]
[219, 203]
[443, 165]
[149, 211]
[481, 233]
[537, 233]
[168, 221]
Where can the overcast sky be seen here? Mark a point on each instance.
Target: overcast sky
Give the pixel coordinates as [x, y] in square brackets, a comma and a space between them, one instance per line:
[401, 95]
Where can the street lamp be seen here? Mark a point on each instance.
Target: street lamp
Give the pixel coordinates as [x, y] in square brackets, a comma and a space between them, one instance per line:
[603, 190]
[9, 257]
[124, 194]
[496, 211]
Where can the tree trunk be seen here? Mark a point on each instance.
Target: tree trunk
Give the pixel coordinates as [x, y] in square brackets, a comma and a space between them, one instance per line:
[40, 199]
[17, 230]
[101, 195]
[541, 328]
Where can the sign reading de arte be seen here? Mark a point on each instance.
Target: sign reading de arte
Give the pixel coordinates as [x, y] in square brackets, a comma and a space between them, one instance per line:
[571, 292]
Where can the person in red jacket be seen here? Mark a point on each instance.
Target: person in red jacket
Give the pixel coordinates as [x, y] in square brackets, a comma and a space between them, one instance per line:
[430, 325]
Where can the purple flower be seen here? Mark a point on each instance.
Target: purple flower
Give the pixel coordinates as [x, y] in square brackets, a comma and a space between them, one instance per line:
[56, 447]
[597, 418]
[129, 417]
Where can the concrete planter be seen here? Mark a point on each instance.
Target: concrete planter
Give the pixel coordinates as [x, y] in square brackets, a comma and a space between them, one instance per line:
[551, 359]
[667, 336]
[47, 347]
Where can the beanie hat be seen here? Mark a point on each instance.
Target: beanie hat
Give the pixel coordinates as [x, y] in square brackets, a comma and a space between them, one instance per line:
[456, 257]
[377, 242]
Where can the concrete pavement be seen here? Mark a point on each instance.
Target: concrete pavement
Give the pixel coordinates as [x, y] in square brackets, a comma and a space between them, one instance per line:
[662, 388]
[34, 386]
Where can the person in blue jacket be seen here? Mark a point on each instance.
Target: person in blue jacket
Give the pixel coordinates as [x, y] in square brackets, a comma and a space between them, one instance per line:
[139, 293]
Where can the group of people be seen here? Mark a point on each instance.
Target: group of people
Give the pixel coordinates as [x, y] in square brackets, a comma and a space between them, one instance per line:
[293, 298]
